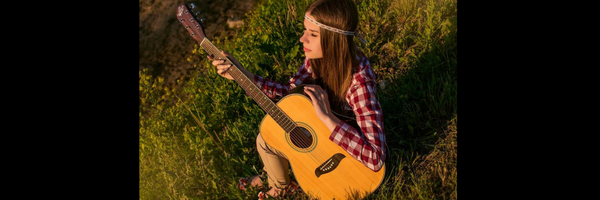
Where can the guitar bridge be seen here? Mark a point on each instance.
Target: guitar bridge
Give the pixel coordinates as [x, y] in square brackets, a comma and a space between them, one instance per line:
[329, 165]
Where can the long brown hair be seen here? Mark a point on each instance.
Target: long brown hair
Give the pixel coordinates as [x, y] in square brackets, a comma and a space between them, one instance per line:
[339, 61]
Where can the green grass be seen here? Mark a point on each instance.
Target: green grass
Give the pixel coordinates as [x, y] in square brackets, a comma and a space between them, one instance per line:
[195, 142]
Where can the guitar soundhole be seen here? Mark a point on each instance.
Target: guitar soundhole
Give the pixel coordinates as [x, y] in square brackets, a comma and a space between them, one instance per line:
[301, 137]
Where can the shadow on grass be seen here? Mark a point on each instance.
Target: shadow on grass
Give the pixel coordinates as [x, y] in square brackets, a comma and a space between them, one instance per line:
[419, 106]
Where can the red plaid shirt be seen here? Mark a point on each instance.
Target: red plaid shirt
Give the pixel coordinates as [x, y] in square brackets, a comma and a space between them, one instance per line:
[366, 145]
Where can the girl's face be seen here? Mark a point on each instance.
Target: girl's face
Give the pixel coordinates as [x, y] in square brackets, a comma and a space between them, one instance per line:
[311, 40]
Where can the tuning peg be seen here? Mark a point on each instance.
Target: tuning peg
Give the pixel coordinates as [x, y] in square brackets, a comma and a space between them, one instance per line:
[197, 12]
[193, 5]
[202, 20]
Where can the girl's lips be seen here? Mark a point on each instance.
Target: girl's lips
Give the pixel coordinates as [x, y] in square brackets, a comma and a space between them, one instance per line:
[307, 50]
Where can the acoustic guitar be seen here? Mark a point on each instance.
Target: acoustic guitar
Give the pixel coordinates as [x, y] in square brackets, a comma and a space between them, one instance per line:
[322, 168]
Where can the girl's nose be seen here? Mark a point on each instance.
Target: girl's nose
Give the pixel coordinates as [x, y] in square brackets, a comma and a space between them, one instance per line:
[302, 38]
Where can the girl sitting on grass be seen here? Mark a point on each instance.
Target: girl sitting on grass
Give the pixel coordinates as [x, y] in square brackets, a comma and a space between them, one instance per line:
[341, 84]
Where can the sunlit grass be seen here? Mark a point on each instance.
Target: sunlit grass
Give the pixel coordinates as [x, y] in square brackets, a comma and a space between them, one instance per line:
[196, 142]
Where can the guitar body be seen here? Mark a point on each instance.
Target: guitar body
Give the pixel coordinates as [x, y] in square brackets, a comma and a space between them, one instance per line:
[343, 179]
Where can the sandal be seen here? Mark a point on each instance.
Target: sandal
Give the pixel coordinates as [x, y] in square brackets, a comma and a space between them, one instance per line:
[291, 189]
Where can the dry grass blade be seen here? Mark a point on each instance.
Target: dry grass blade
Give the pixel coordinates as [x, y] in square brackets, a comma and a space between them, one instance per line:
[202, 125]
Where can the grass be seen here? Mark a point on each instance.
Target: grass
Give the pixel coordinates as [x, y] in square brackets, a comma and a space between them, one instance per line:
[195, 142]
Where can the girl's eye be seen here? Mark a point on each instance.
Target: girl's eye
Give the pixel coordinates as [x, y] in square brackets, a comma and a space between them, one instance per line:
[304, 31]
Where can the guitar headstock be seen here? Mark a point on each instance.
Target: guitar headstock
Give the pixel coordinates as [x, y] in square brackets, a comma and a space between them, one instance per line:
[190, 21]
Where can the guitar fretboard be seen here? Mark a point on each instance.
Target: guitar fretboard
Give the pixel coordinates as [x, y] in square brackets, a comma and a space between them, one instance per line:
[251, 89]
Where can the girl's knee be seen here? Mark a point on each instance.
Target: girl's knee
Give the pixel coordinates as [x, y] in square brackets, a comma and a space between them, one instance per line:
[260, 143]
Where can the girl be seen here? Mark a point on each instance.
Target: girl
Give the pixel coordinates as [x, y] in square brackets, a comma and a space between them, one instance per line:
[341, 84]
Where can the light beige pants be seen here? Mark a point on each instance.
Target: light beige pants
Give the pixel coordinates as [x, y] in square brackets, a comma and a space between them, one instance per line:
[275, 164]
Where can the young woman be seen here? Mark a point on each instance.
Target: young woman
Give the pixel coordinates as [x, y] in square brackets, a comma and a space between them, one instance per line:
[339, 80]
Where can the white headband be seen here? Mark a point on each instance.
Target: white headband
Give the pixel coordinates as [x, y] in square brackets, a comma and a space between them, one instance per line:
[335, 29]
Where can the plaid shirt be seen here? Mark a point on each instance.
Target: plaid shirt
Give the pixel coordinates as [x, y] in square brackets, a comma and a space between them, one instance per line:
[366, 145]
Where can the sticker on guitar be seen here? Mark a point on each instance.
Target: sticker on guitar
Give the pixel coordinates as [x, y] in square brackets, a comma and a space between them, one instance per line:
[180, 11]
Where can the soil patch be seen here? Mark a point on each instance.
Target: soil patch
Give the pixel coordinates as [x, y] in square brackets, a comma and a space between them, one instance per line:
[165, 45]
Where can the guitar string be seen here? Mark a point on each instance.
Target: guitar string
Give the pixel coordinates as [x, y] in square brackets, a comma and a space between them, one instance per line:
[317, 153]
[317, 156]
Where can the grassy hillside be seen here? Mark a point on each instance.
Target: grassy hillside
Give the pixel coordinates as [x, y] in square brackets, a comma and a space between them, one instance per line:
[197, 141]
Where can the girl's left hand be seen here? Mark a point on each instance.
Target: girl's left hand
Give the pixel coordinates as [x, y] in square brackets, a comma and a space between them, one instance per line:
[320, 101]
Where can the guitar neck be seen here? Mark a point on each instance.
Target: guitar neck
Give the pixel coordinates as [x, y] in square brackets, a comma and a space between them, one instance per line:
[251, 89]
